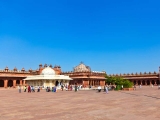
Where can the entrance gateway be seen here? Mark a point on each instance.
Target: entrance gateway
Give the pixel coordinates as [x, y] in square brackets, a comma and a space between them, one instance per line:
[47, 78]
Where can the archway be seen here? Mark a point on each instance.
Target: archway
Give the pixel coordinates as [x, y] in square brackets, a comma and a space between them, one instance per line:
[158, 82]
[1, 83]
[139, 82]
[134, 82]
[17, 82]
[56, 83]
[143, 82]
[153, 82]
[148, 82]
[10, 83]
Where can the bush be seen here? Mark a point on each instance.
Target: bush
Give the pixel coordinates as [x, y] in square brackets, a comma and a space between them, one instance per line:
[118, 87]
[127, 84]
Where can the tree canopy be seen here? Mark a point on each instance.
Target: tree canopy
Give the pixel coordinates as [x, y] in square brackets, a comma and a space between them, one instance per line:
[119, 81]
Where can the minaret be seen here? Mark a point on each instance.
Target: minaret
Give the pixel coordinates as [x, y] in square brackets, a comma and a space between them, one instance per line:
[40, 66]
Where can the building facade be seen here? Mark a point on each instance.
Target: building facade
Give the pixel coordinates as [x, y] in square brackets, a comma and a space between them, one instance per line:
[81, 74]
[141, 78]
[12, 78]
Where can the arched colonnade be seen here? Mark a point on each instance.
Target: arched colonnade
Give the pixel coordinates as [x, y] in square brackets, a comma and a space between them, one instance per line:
[11, 83]
[145, 82]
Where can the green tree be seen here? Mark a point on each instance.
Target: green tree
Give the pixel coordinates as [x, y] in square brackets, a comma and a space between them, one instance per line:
[118, 81]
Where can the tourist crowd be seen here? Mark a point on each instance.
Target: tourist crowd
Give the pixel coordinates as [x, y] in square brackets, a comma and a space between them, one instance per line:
[30, 89]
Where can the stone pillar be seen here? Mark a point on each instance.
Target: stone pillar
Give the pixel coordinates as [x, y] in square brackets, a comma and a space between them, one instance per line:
[136, 82]
[155, 82]
[20, 82]
[5, 83]
[24, 82]
[14, 83]
[145, 82]
[44, 83]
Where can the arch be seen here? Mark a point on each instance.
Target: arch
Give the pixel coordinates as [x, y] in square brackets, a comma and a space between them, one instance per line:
[157, 82]
[153, 82]
[143, 82]
[10, 83]
[134, 82]
[17, 82]
[56, 84]
[1, 83]
[148, 82]
[139, 82]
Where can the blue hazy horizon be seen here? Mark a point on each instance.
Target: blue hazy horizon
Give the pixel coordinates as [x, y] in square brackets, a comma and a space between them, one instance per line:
[115, 36]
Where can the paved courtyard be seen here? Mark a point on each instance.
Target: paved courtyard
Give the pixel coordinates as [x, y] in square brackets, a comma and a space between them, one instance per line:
[142, 104]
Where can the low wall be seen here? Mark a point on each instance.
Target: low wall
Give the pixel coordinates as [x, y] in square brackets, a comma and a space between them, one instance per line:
[128, 89]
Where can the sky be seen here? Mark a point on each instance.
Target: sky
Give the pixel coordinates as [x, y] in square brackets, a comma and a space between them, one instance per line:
[116, 36]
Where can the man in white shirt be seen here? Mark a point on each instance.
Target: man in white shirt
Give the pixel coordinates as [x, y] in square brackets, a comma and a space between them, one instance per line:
[99, 88]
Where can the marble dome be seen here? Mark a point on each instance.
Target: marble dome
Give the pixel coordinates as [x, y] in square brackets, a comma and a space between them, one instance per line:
[48, 71]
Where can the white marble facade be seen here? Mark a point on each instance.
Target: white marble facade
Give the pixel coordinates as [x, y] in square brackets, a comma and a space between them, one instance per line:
[47, 78]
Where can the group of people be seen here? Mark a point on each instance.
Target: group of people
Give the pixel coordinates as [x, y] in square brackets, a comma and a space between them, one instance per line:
[53, 89]
[71, 87]
[105, 89]
[29, 88]
[64, 87]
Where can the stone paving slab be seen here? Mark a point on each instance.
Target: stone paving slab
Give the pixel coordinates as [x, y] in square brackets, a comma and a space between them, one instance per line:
[142, 104]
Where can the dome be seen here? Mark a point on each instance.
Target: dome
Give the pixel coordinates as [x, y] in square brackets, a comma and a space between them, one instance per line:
[81, 68]
[48, 71]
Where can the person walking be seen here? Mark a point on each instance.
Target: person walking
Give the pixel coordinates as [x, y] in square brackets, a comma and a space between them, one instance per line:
[38, 90]
[134, 87]
[25, 88]
[33, 89]
[29, 89]
[122, 87]
[75, 88]
[62, 87]
[140, 86]
[106, 89]
[19, 89]
[55, 90]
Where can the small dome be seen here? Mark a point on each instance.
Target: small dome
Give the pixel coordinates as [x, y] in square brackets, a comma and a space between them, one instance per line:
[82, 68]
[48, 71]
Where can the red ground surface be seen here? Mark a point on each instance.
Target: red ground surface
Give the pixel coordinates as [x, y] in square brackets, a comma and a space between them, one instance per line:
[142, 104]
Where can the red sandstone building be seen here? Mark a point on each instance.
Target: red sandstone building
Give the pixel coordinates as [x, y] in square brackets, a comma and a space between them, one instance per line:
[81, 74]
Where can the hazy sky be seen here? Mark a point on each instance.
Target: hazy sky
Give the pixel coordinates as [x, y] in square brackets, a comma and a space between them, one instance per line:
[118, 36]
